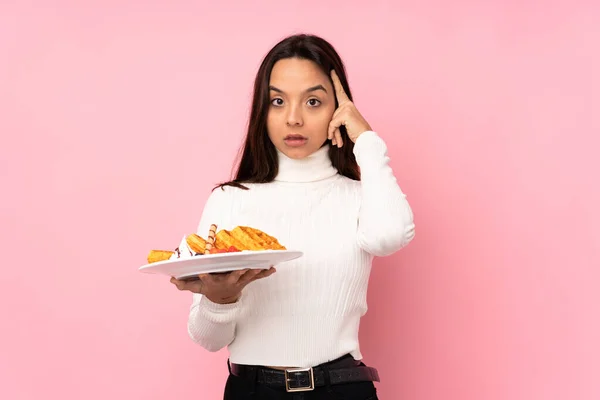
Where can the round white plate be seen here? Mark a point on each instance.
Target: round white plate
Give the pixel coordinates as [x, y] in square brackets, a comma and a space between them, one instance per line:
[182, 268]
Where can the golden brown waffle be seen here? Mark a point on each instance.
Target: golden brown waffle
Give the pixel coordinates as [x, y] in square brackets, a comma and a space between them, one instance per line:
[241, 237]
[196, 243]
[249, 240]
[267, 241]
[254, 239]
[225, 240]
[159, 255]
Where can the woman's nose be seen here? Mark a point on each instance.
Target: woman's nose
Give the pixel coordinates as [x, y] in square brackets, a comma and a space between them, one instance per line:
[294, 117]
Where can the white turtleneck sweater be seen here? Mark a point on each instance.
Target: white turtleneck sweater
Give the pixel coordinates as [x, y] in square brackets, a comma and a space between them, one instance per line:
[308, 312]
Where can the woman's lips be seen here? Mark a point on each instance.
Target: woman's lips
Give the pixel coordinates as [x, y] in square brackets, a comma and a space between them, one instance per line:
[295, 140]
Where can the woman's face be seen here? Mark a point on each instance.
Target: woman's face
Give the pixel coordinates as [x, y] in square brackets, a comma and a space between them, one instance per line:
[302, 104]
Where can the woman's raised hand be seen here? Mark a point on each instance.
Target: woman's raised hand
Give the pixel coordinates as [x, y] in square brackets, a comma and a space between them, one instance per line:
[346, 114]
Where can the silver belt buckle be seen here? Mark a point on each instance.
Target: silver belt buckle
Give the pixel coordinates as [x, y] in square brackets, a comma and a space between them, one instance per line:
[293, 383]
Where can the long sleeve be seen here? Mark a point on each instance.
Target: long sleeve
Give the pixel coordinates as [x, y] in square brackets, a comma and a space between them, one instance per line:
[385, 222]
[212, 325]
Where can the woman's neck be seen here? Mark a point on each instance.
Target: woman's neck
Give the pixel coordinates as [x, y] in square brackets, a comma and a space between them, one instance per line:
[315, 167]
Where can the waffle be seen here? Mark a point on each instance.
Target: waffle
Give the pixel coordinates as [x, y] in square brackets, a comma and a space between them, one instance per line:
[224, 240]
[159, 255]
[254, 239]
[238, 239]
[196, 243]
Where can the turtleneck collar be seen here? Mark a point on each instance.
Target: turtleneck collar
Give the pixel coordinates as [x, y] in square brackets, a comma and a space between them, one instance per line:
[315, 167]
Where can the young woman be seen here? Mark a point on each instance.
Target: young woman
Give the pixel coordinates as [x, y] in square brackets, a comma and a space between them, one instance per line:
[316, 176]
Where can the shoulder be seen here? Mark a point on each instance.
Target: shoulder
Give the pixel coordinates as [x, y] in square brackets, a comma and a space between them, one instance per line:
[223, 192]
[217, 196]
[226, 192]
[348, 182]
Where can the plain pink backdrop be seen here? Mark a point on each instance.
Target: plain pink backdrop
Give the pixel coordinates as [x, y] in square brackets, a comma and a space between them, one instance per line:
[112, 112]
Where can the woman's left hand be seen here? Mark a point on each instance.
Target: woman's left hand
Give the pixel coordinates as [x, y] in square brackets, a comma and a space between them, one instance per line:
[346, 114]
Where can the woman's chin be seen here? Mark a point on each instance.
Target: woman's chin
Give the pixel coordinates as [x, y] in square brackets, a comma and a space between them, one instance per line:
[297, 153]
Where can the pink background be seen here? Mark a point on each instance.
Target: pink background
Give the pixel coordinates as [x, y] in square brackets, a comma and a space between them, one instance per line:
[112, 112]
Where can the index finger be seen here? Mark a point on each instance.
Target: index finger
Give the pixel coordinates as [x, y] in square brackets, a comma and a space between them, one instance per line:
[342, 97]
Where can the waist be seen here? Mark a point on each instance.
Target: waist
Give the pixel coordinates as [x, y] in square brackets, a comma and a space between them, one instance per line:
[342, 370]
[294, 340]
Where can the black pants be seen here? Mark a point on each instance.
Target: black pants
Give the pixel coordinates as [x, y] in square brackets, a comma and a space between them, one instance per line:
[243, 389]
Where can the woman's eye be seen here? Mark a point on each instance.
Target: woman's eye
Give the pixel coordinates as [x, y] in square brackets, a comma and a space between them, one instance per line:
[312, 102]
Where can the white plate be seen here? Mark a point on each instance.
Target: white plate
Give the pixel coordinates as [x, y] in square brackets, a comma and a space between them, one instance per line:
[182, 268]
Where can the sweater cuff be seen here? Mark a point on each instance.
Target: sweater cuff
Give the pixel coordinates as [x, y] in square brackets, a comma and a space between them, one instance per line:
[219, 313]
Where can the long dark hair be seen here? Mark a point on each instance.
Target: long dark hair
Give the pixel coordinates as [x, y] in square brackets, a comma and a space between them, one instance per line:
[258, 157]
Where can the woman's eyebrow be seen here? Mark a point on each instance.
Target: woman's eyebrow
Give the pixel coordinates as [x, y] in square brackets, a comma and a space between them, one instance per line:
[310, 89]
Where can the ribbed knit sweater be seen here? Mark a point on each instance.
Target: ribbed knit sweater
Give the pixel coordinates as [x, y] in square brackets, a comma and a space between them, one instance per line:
[309, 311]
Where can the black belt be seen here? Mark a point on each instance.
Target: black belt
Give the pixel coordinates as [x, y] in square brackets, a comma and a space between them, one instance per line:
[342, 370]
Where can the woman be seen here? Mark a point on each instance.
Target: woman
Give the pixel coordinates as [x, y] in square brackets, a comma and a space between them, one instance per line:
[316, 176]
